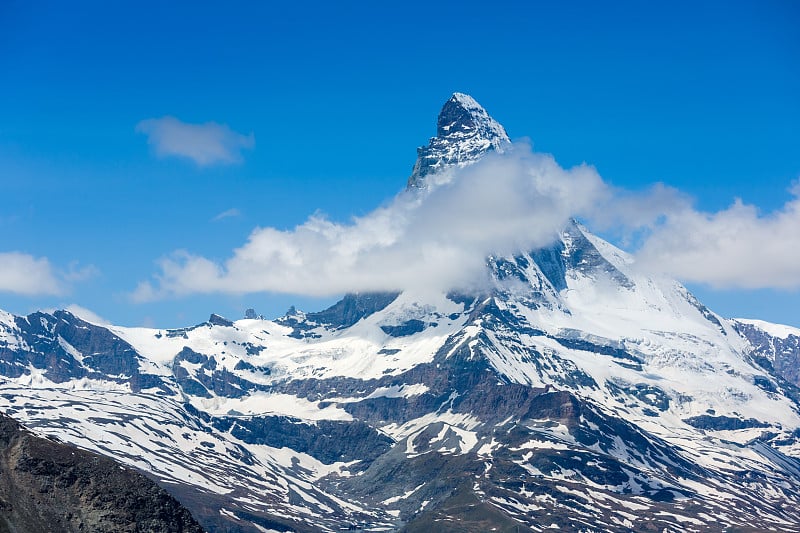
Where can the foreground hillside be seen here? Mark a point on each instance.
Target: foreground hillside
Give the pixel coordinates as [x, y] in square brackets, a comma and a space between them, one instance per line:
[49, 486]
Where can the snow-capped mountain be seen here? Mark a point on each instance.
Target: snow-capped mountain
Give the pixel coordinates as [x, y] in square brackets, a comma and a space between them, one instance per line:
[577, 392]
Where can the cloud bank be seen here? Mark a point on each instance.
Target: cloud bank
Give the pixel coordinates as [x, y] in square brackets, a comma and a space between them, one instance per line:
[205, 144]
[439, 237]
[734, 248]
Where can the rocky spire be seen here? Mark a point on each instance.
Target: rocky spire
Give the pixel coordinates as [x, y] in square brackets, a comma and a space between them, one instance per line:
[465, 131]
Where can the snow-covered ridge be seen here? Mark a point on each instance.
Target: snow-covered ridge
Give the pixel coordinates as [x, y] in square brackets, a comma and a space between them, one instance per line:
[780, 331]
[469, 103]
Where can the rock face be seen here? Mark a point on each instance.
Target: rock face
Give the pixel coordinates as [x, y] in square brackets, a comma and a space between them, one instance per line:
[464, 133]
[571, 391]
[775, 347]
[48, 486]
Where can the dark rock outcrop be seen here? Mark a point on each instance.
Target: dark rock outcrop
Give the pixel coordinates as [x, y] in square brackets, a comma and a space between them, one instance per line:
[718, 423]
[343, 314]
[779, 355]
[326, 440]
[352, 308]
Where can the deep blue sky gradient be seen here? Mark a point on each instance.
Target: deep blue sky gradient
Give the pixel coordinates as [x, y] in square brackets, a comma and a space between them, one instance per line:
[700, 96]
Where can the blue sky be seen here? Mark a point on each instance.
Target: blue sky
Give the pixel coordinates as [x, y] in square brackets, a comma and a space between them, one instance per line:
[325, 104]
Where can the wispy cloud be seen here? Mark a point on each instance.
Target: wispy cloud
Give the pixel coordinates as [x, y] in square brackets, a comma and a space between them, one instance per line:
[230, 213]
[205, 144]
[75, 272]
[440, 237]
[87, 315]
[28, 275]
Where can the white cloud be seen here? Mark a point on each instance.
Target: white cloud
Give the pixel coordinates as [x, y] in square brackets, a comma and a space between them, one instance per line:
[27, 275]
[440, 237]
[205, 144]
[230, 213]
[734, 248]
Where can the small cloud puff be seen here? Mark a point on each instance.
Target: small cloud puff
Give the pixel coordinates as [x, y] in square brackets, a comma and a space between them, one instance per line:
[28, 276]
[205, 144]
[76, 273]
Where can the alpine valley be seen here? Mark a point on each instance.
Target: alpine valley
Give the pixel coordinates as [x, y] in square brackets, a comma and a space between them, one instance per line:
[576, 393]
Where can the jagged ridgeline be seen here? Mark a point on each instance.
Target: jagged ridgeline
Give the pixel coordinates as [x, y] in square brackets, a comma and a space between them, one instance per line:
[588, 398]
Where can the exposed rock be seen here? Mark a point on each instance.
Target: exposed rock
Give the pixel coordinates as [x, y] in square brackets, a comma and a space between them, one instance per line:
[781, 353]
[216, 320]
[352, 308]
[409, 327]
[718, 423]
[51, 339]
[328, 441]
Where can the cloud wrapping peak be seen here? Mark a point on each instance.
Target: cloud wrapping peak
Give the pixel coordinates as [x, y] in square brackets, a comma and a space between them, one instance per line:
[433, 238]
[205, 144]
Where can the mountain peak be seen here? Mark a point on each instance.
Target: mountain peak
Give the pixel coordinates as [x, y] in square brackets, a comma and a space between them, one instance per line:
[463, 112]
[464, 132]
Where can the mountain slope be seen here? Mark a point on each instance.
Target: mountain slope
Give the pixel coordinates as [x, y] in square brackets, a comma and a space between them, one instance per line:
[572, 390]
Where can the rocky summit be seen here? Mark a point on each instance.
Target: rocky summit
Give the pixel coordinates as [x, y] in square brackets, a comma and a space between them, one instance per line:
[573, 393]
[465, 132]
